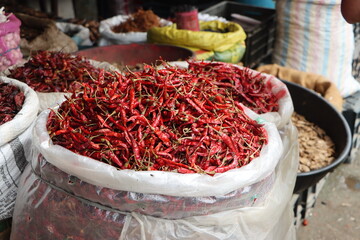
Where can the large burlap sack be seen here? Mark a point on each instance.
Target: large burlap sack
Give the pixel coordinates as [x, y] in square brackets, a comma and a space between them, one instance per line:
[15, 145]
[51, 37]
[312, 81]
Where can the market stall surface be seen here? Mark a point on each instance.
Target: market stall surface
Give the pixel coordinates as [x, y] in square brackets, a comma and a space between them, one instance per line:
[336, 214]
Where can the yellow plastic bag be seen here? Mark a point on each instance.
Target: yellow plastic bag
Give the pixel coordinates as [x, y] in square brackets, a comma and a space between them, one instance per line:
[221, 41]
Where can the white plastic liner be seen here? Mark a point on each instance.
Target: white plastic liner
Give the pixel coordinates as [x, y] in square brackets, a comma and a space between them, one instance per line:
[159, 182]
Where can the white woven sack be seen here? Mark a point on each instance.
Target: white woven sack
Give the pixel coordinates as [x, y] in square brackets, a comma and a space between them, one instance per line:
[109, 37]
[14, 157]
[15, 145]
[312, 36]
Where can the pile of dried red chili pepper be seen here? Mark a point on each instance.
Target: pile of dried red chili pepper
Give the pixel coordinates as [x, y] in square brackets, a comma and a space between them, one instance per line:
[11, 102]
[48, 71]
[171, 119]
[246, 86]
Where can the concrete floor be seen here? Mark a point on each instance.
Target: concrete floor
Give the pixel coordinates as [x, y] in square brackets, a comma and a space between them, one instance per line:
[336, 214]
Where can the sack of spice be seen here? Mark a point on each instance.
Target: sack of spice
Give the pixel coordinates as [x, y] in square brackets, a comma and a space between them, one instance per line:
[18, 109]
[54, 74]
[98, 162]
[10, 53]
[42, 34]
[124, 29]
[313, 81]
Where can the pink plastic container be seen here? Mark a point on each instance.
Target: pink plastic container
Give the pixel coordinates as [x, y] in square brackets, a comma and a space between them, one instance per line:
[187, 20]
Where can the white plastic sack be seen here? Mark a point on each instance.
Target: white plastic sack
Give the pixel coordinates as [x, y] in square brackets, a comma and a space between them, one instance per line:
[109, 37]
[14, 157]
[15, 145]
[159, 182]
[25, 117]
[44, 209]
[286, 108]
[81, 36]
[312, 36]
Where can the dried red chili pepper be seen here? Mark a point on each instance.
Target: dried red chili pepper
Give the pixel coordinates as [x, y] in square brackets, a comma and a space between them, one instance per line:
[48, 71]
[247, 87]
[172, 119]
[11, 102]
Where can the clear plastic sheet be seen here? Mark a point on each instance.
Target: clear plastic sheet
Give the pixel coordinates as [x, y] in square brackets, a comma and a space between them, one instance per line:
[164, 206]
